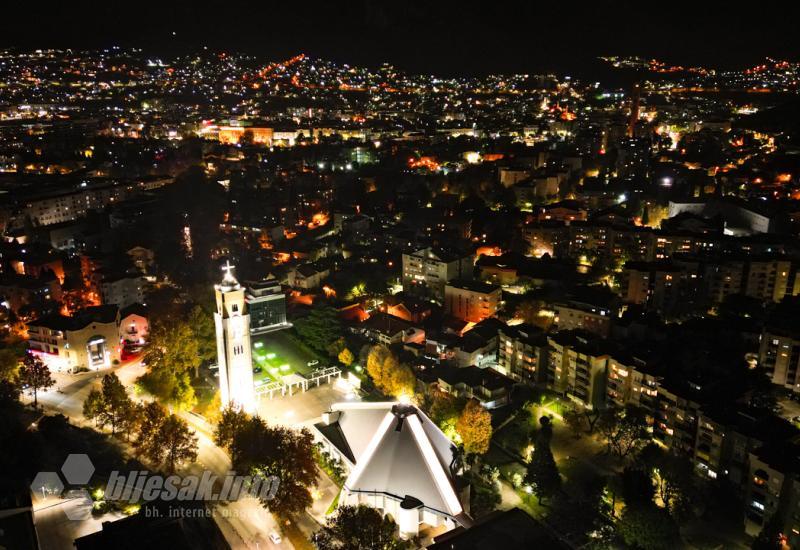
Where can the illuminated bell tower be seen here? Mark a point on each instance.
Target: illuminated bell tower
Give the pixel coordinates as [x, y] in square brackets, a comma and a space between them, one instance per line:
[234, 355]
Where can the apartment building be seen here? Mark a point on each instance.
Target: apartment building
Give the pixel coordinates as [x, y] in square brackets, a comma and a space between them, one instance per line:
[522, 353]
[426, 271]
[581, 316]
[632, 381]
[577, 367]
[471, 301]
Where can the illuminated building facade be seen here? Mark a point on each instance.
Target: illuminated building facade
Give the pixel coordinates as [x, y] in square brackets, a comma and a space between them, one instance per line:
[266, 305]
[234, 355]
[232, 135]
[522, 351]
[577, 367]
[397, 461]
[471, 301]
[89, 340]
[426, 271]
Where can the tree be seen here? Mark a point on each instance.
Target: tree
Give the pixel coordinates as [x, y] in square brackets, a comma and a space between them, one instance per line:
[358, 528]
[376, 362]
[202, 325]
[592, 418]
[183, 396]
[444, 409]
[150, 417]
[177, 442]
[484, 497]
[637, 487]
[575, 421]
[172, 345]
[474, 425]
[625, 430]
[293, 463]
[346, 357]
[517, 433]
[269, 451]
[545, 434]
[581, 513]
[320, 329]
[335, 348]
[213, 412]
[231, 423]
[93, 405]
[164, 439]
[172, 352]
[542, 473]
[675, 483]
[444, 406]
[388, 374]
[532, 313]
[9, 364]
[9, 392]
[648, 527]
[528, 311]
[35, 374]
[116, 407]
[403, 381]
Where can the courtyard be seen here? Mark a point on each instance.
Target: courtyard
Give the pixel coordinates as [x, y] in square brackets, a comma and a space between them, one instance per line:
[302, 408]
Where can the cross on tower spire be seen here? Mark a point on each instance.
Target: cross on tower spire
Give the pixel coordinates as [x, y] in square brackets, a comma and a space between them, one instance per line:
[228, 277]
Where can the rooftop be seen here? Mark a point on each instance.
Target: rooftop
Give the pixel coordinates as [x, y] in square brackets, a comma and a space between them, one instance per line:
[397, 450]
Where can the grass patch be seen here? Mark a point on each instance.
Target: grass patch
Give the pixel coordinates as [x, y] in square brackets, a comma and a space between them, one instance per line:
[334, 504]
[298, 343]
[271, 364]
[530, 503]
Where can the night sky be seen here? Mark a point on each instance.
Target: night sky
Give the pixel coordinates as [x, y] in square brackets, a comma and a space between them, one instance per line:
[444, 37]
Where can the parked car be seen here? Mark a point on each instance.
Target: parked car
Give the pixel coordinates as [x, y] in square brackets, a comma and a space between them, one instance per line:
[275, 538]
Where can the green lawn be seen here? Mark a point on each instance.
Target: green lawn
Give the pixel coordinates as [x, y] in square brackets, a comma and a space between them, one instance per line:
[277, 356]
[332, 508]
[272, 365]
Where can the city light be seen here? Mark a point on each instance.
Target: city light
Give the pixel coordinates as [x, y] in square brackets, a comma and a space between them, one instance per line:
[353, 267]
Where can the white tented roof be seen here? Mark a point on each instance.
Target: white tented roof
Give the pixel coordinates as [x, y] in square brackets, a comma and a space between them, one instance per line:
[408, 457]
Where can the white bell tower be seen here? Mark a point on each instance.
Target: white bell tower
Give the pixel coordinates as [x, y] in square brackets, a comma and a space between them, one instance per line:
[234, 355]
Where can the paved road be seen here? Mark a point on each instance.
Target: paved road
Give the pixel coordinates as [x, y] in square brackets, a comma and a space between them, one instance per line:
[56, 531]
[70, 390]
[245, 524]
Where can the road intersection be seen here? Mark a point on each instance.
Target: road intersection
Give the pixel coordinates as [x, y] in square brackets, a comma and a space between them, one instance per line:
[244, 523]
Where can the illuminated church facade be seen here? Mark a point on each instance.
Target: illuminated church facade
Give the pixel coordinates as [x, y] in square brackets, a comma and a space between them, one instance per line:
[234, 354]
